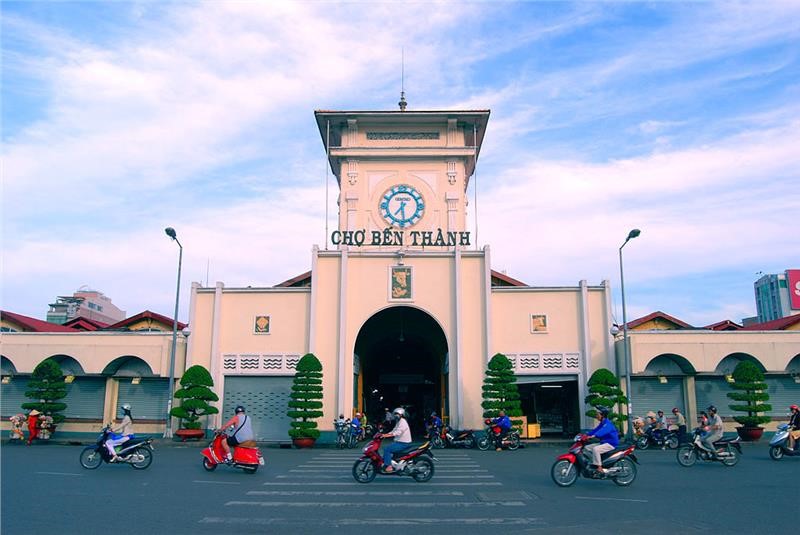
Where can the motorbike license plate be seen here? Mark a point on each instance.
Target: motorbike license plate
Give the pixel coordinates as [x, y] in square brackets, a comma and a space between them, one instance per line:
[261, 461]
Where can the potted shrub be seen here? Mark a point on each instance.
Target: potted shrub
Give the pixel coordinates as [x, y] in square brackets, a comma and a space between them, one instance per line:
[751, 391]
[46, 388]
[195, 393]
[500, 390]
[604, 391]
[306, 401]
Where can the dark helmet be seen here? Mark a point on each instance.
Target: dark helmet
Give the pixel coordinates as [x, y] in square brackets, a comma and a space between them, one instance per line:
[239, 409]
[603, 410]
[711, 408]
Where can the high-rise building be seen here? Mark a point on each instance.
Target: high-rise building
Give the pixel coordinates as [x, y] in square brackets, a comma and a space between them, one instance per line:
[778, 295]
[84, 303]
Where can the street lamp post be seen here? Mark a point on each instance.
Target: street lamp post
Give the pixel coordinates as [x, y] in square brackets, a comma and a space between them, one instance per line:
[628, 434]
[168, 430]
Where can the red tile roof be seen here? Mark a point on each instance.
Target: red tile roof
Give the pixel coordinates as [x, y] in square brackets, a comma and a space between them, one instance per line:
[144, 315]
[724, 325]
[779, 324]
[506, 279]
[86, 324]
[29, 324]
[305, 280]
[655, 315]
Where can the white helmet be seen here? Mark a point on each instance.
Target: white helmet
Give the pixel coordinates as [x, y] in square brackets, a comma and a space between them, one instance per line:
[400, 411]
[126, 407]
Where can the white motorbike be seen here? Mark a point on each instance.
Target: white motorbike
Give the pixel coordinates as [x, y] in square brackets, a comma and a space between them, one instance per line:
[778, 446]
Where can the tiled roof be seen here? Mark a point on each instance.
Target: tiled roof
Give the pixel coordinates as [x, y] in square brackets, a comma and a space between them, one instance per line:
[29, 324]
[85, 324]
[304, 279]
[655, 315]
[144, 315]
[779, 324]
[724, 325]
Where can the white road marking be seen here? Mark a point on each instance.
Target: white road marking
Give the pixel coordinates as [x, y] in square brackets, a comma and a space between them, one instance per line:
[416, 505]
[322, 476]
[492, 521]
[609, 499]
[58, 474]
[335, 470]
[380, 483]
[217, 482]
[352, 493]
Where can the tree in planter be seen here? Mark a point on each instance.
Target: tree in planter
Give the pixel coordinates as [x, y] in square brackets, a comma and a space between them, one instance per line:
[195, 393]
[752, 392]
[500, 390]
[604, 391]
[305, 404]
[46, 388]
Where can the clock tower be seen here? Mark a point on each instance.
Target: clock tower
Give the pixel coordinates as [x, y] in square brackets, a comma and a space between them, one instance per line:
[402, 175]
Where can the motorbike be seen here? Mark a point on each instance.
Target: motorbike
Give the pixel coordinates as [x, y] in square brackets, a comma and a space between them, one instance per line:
[137, 452]
[619, 462]
[778, 444]
[728, 451]
[415, 462]
[436, 436]
[342, 433]
[245, 456]
[663, 439]
[454, 438]
[491, 435]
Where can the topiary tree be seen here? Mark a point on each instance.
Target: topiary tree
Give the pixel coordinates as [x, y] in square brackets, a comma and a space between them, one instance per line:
[500, 390]
[749, 381]
[195, 393]
[46, 388]
[305, 404]
[604, 391]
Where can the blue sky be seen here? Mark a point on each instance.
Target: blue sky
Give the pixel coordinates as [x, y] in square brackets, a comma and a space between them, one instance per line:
[120, 119]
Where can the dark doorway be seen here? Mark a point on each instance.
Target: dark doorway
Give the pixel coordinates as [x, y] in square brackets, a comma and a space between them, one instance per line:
[553, 405]
[401, 351]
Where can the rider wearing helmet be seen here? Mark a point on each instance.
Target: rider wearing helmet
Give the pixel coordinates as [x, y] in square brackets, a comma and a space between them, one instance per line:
[504, 423]
[680, 421]
[402, 438]
[714, 429]
[242, 433]
[122, 433]
[434, 425]
[606, 433]
[794, 426]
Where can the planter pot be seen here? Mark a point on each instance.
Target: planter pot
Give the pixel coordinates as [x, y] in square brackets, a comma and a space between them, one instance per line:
[190, 434]
[303, 442]
[750, 434]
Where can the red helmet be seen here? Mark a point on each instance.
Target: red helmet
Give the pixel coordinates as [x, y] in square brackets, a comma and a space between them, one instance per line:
[794, 408]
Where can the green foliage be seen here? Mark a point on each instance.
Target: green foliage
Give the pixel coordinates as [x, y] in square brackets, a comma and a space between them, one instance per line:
[604, 391]
[500, 390]
[305, 404]
[195, 393]
[46, 388]
[751, 392]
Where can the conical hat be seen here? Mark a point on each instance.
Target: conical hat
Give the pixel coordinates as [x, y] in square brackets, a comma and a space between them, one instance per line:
[34, 412]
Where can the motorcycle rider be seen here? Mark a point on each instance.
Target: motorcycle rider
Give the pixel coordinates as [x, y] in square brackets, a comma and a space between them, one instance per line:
[355, 425]
[714, 430]
[120, 434]
[242, 433]
[434, 425]
[504, 422]
[402, 438]
[680, 421]
[607, 433]
[794, 427]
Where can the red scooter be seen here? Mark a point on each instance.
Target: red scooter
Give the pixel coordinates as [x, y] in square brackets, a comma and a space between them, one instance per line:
[620, 464]
[414, 461]
[245, 456]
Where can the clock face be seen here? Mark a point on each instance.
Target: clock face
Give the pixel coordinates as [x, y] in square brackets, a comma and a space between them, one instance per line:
[402, 206]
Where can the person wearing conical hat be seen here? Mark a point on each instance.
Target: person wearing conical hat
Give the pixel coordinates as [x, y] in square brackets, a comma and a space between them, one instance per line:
[33, 425]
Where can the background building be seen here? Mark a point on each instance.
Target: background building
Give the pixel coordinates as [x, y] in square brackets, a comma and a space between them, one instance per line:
[84, 303]
[778, 295]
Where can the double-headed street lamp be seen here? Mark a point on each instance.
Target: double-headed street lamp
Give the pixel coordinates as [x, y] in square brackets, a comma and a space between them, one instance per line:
[628, 434]
[168, 430]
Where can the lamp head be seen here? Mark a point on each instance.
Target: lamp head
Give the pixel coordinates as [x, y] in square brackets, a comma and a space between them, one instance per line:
[171, 233]
[632, 234]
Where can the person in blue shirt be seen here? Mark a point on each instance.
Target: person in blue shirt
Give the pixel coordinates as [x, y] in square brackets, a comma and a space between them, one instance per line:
[504, 422]
[606, 433]
[355, 425]
[434, 425]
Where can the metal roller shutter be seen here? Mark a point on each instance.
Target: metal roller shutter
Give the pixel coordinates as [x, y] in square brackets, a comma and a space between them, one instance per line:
[651, 395]
[265, 399]
[783, 391]
[148, 399]
[713, 391]
[85, 398]
[12, 396]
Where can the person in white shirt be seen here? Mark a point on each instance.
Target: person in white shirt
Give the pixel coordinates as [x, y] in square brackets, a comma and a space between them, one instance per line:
[402, 438]
[120, 434]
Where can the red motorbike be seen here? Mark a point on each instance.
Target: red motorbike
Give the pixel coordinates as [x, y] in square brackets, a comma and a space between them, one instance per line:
[620, 464]
[491, 437]
[245, 456]
[414, 461]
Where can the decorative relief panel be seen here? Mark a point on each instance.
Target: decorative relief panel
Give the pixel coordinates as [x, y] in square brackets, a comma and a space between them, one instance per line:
[260, 364]
[546, 363]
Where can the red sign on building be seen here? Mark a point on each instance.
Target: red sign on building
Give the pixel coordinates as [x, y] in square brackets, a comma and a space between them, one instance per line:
[793, 278]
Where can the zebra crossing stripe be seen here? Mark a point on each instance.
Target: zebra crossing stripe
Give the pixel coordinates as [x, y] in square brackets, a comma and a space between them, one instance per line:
[412, 505]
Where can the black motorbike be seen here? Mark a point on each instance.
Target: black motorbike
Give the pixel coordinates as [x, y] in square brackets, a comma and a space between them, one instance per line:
[727, 451]
[660, 438]
[455, 438]
[137, 452]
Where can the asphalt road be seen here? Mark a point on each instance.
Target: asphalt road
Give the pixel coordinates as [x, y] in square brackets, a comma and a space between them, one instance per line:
[45, 490]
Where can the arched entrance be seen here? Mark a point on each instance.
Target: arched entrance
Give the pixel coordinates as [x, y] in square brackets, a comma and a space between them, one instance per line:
[401, 360]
